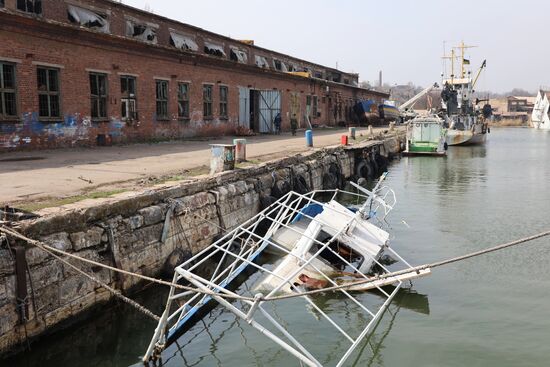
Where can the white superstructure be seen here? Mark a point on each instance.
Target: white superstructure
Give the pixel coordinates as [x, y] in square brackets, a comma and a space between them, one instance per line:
[539, 117]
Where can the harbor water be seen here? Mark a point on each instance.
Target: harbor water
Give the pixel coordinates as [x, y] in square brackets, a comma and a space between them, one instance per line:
[487, 311]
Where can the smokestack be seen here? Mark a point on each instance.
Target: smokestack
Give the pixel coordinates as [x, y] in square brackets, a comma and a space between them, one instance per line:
[380, 79]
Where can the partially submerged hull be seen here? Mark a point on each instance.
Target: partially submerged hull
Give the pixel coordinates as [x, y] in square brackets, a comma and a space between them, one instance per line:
[465, 137]
[321, 245]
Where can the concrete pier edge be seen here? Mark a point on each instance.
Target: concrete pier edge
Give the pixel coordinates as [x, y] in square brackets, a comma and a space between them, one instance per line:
[126, 231]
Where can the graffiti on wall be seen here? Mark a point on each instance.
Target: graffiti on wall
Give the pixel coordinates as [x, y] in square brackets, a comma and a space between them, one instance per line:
[74, 129]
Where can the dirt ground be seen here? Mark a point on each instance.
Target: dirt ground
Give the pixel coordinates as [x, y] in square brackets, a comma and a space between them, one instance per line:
[35, 180]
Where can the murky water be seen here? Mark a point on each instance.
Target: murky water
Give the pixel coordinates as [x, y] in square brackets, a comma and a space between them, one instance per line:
[488, 311]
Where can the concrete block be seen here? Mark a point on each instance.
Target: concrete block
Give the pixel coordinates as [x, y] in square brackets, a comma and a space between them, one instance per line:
[46, 274]
[7, 264]
[59, 240]
[152, 215]
[135, 221]
[8, 318]
[83, 240]
[73, 288]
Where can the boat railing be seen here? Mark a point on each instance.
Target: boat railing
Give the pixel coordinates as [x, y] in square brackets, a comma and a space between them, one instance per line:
[240, 249]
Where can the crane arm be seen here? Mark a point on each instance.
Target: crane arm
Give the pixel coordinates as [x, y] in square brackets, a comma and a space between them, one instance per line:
[414, 99]
[483, 65]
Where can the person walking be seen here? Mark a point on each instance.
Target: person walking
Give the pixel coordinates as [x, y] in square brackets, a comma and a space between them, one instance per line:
[293, 124]
[277, 122]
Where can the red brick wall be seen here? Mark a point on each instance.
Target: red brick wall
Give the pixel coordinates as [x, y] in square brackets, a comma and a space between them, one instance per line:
[78, 51]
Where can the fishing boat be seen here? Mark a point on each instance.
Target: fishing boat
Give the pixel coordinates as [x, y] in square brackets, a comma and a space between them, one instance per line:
[367, 111]
[373, 112]
[426, 135]
[388, 111]
[466, 123]
[539, 117]
[299, 245]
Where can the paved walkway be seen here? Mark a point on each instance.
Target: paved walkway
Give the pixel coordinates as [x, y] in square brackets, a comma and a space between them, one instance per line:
[28, 176]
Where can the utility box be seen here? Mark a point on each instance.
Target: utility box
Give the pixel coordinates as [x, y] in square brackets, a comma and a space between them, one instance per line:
[222, 158]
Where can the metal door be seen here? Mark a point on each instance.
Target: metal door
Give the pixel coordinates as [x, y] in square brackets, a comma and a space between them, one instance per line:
[269, 107]
[244, 107]
[295, 107]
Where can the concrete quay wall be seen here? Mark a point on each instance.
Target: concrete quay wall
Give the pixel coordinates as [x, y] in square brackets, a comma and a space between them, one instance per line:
[132, 232]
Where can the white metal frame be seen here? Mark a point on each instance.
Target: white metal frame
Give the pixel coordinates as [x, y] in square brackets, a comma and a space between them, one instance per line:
[234, 259]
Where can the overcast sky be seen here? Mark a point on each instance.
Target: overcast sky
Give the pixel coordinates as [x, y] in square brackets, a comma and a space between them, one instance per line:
[403, 38]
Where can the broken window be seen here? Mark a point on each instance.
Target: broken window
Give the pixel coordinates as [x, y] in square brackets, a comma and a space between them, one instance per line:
[8, 105]
[336, 78]
[346, 81]
[223, 101]
[183, 100]
[48, 92]
[207, 101]
[98, 93]
[88, 18]
[279, 65]
[29, 6]
[213, 49]
[183, 42]
[292, 67]
[143, 32]
[162, 99]
[261, 62]
[318, 75]
[128, 100]
[238, 55]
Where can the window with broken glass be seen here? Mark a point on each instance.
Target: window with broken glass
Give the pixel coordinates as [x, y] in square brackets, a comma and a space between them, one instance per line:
[88, 18]
[128, 99]
[238, 55]
[207, 101]
[162, 100]
[48, 93]
[98, 92]
[223, 101]
[143, 32]
[213, 49]
[183, 101]
[29, 6]
[8, 104]
[183, 42]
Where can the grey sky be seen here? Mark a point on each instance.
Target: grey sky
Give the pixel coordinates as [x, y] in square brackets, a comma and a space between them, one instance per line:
[403, 38]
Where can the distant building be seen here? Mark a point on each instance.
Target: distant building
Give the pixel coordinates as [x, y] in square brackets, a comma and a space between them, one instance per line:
[513, 108]
[521, 104]
[94, 72]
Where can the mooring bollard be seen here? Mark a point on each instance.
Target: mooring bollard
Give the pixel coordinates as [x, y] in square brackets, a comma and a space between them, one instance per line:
[392, 125]
[222, 158]
[309, 138]
[370, 130]
[344, 140]
[352, 132]
[240, 149]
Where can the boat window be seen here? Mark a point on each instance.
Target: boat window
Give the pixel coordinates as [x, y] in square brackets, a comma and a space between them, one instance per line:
[430, 132]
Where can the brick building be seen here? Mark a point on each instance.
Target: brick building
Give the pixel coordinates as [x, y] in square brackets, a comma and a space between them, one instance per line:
[92, 72]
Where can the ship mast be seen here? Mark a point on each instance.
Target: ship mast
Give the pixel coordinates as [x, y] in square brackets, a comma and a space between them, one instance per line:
[463, 48]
